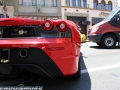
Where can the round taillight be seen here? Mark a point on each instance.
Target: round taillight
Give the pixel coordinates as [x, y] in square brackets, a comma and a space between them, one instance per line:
[47, 25]
[62, 26]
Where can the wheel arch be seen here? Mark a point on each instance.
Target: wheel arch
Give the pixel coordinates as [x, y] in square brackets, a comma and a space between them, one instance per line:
[112, 33]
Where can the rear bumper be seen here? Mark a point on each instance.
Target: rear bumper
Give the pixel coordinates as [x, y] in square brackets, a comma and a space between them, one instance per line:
[56, 57]
[95, 38]
[52, 63]
[36, 61]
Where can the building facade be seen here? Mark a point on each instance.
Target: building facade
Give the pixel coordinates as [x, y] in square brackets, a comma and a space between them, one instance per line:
[10, 10]
[118, 2]
[37, 9]
[86, 12]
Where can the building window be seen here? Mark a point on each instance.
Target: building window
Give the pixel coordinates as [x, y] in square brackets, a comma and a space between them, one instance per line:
[73, 3]
[110, 5]
[96, 20]
[43, 2]
[50, 3]
[102, 5]
[68, 2]
[95, 4]
[78, 3]
[20, 2]
[27, 2]
[84, 4]
[54, 3]
[47, 3]
[34, 2]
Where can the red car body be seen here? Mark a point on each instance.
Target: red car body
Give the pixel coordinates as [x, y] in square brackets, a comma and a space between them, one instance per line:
[47, 53]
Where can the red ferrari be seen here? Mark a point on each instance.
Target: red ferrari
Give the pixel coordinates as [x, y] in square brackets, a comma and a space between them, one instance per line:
[44, 47]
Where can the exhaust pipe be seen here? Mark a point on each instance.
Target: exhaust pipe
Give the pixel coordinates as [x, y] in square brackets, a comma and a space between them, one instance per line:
[5, 56]
[23, 53]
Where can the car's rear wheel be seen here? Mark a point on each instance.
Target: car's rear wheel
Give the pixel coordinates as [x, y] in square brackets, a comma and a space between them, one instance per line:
[109, 41]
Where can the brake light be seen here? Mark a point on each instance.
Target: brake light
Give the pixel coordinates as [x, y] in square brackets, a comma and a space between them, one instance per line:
[62, 26]
[47, 25]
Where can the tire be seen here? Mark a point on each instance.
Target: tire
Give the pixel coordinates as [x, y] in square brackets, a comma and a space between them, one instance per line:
[108, 41]
[99, 44]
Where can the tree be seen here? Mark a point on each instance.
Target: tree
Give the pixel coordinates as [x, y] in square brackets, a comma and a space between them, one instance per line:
[4, 9]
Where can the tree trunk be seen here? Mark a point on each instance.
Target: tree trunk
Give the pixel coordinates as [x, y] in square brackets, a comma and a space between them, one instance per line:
[4, 10]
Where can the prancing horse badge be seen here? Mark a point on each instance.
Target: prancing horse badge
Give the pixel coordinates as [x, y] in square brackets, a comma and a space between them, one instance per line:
[21, 32]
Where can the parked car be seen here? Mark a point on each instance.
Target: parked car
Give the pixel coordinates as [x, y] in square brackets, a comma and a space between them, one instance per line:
[39, 47]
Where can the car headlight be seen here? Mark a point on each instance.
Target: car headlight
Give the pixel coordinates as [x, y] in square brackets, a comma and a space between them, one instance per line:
[94, 29]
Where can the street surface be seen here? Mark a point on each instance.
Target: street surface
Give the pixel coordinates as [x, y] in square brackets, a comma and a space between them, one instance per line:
[102, 66]
[100, 70]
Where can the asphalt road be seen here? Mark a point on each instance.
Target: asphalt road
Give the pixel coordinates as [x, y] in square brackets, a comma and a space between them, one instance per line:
[102, 67]
[100, 70]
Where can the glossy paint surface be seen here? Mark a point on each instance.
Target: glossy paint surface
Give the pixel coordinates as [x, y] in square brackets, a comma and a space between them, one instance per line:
[104, 27]
[64, 52]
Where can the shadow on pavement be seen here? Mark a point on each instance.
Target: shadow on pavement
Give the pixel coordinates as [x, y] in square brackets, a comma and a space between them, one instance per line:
[100, 47]
[83, 83]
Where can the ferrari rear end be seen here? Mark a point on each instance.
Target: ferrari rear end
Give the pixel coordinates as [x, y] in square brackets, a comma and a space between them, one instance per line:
[49, 48]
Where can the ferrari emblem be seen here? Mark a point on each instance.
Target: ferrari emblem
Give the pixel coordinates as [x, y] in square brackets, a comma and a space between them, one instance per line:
[21, 32]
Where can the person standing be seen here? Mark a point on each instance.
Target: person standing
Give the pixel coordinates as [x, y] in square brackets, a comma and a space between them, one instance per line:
[79, 28]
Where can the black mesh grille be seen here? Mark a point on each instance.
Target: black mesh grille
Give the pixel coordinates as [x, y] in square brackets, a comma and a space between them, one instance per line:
[32, 31]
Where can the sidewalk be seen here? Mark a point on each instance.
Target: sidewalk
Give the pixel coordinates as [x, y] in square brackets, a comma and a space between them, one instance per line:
[87, 40]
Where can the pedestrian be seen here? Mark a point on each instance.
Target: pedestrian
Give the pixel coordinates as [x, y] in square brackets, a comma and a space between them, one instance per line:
[79, 28]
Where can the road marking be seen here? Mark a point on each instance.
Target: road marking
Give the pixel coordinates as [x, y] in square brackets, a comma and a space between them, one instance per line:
[102, 53]
[99, 68]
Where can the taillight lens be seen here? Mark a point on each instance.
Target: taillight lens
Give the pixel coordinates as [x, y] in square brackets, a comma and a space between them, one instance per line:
[47, 25]
[62, 26]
